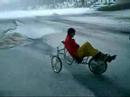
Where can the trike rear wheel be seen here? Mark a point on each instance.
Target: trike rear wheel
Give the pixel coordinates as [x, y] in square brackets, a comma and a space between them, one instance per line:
[97, 67]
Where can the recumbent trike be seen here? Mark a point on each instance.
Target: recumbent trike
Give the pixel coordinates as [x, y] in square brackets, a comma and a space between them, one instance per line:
[96, 67]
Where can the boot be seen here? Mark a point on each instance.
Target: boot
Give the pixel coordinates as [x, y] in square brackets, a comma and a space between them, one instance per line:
[100, 56]
[110, 58]
[96, 57]
[104, 57]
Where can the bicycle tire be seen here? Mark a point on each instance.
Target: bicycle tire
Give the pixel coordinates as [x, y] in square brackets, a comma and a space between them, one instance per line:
[97, 68]
[56, 67]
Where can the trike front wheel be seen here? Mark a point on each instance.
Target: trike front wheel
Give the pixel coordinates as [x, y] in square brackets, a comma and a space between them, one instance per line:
[56, 64]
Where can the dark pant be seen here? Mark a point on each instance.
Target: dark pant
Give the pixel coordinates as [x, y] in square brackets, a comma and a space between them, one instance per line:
[101, 56]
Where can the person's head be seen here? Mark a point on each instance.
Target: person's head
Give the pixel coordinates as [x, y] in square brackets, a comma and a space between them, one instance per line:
[71, 32]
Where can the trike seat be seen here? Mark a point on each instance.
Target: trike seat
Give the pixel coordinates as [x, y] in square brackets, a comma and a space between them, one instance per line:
[77, 59]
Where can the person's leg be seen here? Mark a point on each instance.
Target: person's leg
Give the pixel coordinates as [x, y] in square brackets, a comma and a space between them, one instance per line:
[101, 56]
[104, 57]
[87, 50]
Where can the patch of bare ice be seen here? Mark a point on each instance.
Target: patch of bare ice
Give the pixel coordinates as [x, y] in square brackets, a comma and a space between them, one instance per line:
[13, 39]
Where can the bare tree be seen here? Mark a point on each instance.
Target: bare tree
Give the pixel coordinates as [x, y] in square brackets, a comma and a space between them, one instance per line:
[83, 3]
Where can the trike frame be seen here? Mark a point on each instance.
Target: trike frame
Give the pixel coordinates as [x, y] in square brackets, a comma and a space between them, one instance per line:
[96, 67]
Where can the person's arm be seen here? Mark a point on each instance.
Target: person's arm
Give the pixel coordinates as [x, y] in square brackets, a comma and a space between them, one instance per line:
[75, 44]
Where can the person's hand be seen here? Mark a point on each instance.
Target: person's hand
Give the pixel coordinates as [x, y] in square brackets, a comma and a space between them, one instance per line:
[78, 45]
[79, 60]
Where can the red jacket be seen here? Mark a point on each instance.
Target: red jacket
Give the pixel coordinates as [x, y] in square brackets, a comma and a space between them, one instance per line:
[71, 46]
